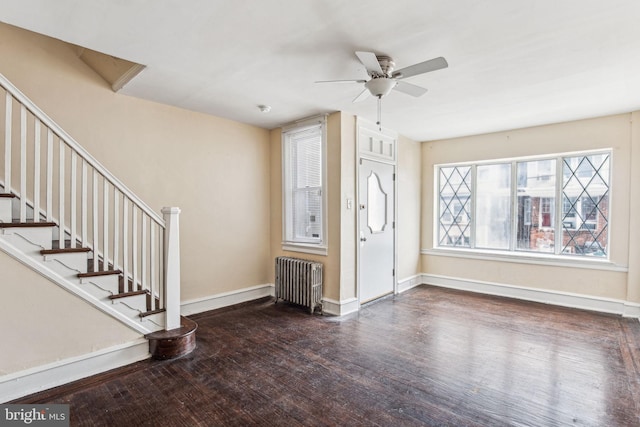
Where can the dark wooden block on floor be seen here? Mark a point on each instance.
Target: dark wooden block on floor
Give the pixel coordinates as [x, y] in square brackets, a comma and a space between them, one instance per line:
[175, 342]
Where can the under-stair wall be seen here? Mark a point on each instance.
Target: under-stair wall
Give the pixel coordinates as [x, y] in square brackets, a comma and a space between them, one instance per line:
[51, 337]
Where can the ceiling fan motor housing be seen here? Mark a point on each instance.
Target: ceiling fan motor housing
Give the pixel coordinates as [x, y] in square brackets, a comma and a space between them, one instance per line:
[387, 65]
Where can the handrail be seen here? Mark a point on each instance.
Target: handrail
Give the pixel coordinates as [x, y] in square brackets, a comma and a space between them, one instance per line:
[45, 119]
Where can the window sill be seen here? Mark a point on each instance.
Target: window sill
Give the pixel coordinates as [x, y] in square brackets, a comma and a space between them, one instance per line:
[528, 258]
[305, 248]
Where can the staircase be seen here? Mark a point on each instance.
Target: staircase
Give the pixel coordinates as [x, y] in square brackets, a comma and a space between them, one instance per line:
[67, 217]
[73, 268]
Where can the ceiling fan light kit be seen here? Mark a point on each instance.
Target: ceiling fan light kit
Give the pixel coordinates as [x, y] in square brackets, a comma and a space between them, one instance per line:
[380, 86]
[382, 78]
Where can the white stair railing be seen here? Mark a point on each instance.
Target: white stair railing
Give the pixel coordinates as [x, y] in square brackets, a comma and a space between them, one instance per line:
[57, 180]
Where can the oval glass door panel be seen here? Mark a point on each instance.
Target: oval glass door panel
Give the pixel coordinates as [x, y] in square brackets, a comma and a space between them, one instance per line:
[377, 209]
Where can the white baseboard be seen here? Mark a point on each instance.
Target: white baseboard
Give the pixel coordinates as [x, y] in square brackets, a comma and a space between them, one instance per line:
[409, 282]
[226, 299]
[29, 381]
[564, 299]
[213, 302]
[631, 309]
[340, 308]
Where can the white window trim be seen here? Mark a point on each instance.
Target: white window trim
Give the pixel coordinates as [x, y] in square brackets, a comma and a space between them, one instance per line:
[529, 257]
[306, 247]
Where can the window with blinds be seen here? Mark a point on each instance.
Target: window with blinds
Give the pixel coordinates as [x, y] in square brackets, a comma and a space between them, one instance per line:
[303, 184]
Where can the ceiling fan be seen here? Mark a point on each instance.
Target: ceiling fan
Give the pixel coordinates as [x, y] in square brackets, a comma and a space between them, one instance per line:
[383, 79]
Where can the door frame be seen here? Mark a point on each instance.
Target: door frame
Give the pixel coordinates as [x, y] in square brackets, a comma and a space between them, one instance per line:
[381, 153]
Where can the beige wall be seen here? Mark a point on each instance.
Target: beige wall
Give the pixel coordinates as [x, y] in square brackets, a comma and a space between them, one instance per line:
[409, 208]
[42, 323]
[215, 170]
[633, 280]
[348, 216]
[606, 132]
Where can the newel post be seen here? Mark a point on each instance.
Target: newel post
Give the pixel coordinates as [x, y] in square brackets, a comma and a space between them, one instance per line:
[172, 267]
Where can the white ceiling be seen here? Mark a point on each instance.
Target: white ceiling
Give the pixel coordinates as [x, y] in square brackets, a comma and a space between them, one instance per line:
[512, 63]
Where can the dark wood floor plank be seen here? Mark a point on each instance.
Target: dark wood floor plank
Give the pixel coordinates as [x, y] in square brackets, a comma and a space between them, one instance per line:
[427, 357]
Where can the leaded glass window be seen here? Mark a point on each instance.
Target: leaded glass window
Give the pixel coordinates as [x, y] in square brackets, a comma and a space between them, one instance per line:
[455, 206]
[585, 201]
[556, 205]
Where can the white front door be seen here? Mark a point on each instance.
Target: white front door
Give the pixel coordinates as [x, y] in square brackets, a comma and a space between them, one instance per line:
[377, 217]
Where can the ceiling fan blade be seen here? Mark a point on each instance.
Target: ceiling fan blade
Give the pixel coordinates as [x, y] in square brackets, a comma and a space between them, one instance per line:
[363, 95]
[370, 62]
[421, 68]
[410, 89]
[341, 81]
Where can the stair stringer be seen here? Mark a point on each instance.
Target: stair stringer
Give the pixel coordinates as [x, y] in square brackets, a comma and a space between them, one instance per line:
[143, 327]
[30, 242]
[75, 261]
[105, 285]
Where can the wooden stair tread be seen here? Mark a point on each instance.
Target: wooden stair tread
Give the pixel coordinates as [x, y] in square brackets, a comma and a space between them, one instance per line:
[187, 326]
[152, 312]
[63, 251]
[99, 273]
[7, 196]
[128, 294]
[26, 224]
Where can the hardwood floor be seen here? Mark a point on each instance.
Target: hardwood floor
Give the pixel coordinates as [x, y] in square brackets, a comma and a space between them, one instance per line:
[429, 356]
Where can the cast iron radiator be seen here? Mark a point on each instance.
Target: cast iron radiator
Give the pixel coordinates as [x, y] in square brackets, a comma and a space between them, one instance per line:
[299, 281]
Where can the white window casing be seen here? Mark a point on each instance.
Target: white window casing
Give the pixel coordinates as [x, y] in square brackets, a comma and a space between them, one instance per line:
[304, 185]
